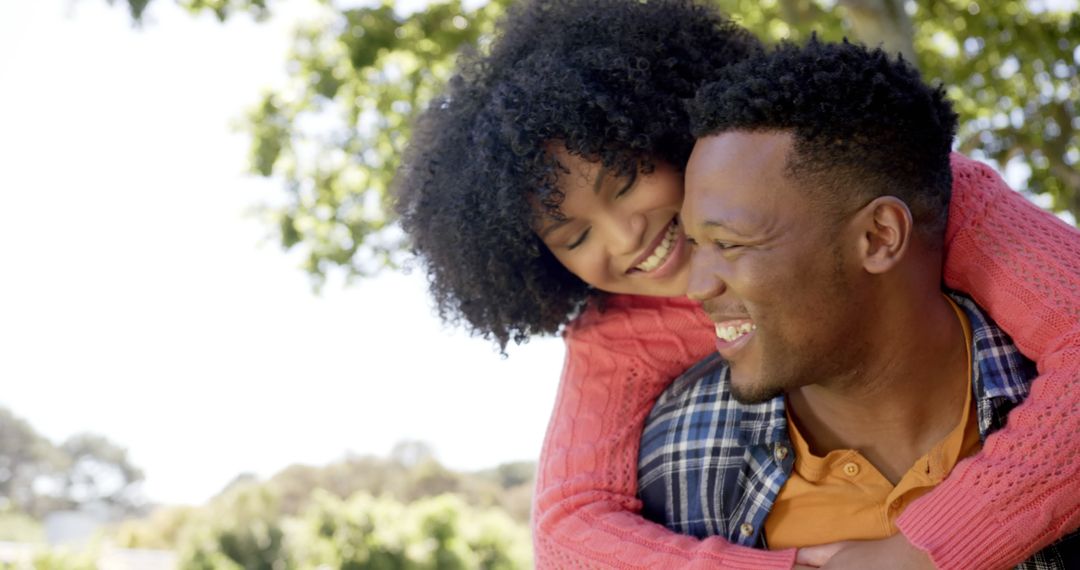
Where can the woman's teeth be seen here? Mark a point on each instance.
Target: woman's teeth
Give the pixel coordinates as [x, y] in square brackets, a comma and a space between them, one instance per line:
[659, 255]
[730, 333]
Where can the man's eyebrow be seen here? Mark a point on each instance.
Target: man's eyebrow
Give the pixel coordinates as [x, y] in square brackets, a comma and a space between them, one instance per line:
[724, 225]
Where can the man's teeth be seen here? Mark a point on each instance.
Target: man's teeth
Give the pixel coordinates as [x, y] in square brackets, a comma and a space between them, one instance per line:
[731, 332]
[661, 252]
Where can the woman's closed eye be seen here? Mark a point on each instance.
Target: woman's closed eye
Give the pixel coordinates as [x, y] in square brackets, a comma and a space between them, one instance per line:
[580, 240]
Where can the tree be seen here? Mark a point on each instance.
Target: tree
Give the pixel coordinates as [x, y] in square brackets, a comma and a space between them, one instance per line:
[98, 472]
[25, 457]
[333, 136]
[37, 477]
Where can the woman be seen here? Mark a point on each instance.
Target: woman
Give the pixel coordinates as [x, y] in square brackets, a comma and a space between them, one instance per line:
[578, 108]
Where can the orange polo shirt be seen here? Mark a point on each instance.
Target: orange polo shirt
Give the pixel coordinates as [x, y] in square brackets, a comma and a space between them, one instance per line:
[842, 496]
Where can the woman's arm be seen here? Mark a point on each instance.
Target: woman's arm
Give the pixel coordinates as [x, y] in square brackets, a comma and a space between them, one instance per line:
[1023, 490]
[586, 513]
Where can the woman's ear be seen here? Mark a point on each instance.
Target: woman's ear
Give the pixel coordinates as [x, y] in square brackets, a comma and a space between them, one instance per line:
[885, 233]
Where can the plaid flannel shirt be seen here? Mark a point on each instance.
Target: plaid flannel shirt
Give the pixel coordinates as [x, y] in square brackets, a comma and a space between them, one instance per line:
[709, 465]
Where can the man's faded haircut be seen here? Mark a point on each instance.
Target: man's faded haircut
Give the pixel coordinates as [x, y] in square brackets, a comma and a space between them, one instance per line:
[864, 124]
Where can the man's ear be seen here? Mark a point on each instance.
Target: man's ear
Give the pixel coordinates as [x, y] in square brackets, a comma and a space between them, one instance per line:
[885, 233]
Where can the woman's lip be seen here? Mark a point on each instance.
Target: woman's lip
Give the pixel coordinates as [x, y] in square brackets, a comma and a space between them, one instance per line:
[652, 246]
[671, 265]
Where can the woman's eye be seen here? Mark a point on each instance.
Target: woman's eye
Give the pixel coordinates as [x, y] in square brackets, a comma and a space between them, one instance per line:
[579, 240]
[629, 185]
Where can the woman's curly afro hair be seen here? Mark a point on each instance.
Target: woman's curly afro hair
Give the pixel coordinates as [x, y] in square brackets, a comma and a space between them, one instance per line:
[864, 124]
[607, 79]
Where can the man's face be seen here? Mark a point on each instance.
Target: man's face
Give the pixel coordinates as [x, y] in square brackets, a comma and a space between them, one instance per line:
[773, 272]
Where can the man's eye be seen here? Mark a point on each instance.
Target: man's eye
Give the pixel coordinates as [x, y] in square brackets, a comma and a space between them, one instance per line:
[579, 240]
[724, 244]
[629, 185]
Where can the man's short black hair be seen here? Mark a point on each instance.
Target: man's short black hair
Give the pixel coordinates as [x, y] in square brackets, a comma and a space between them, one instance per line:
[864, 124]
[607, 79]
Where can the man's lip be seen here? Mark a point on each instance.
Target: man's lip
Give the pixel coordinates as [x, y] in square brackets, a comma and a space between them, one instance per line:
[729, 349]
[730, 320]
[648, 251]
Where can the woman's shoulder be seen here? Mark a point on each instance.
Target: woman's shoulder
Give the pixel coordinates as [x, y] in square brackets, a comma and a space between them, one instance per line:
[617, 316]
[974, 180]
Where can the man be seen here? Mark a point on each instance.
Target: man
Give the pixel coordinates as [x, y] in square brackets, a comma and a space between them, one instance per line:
[847, 384]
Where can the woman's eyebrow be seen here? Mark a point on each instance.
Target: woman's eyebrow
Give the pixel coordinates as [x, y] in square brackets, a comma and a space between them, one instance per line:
[558, 224]
[600, 176]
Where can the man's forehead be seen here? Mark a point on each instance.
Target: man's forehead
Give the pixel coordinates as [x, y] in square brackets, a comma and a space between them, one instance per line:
[741, 151]
[737, 172]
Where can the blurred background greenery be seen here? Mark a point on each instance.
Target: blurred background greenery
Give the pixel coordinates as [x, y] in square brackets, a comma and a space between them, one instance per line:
[403, 511]
[331, 137]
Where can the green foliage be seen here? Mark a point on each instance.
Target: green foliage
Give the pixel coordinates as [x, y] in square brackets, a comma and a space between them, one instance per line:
[410, 473]
[240, 529]
[358, 513]
[222, 9]
[334, 134]
[433, 533]
[163, 529]
[55, 559]
[359, 76]
[403, 511]
[19, 527]
[1012, 72]
[59, 559]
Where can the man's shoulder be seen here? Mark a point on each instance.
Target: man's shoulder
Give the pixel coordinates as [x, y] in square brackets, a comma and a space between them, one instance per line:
[699, 405]
[711, 371]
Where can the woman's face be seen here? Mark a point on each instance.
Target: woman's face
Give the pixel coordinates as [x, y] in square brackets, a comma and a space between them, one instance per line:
[620, 234]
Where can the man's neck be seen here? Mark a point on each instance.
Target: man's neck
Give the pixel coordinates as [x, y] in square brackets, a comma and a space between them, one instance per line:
[903, 400]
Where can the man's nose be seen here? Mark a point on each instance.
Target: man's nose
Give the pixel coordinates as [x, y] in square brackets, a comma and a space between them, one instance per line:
[704, 282]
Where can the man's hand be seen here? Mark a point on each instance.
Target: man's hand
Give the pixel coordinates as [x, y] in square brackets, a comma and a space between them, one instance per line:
[893, 553]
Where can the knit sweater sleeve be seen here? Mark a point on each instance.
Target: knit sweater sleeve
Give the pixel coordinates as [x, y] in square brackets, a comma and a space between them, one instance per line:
[585, 511]
[1023, 266]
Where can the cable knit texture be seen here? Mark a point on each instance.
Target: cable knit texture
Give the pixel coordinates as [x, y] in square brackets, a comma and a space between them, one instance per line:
[995, 509]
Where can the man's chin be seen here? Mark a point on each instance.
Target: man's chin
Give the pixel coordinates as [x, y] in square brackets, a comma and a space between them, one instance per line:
[750, 391]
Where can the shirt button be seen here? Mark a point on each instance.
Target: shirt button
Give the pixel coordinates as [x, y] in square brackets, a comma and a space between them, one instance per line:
[746, 529]
[780, 453]
[851, 469]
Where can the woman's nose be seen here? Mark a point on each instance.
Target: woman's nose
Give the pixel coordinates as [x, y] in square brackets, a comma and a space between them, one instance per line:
[626, 233]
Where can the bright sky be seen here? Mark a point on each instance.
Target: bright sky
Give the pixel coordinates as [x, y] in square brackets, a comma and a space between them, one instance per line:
[138, 301]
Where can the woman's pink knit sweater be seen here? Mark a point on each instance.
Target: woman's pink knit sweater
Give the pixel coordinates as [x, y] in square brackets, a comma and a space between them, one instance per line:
[995, 509]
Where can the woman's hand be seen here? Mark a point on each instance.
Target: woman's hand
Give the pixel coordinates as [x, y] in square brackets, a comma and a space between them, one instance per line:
[893, 553]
